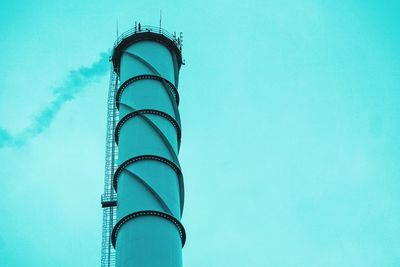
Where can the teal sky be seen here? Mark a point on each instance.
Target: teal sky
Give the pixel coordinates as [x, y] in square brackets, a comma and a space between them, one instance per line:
[291, 125]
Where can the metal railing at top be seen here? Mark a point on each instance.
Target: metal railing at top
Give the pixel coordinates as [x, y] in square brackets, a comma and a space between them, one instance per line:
[177, 39]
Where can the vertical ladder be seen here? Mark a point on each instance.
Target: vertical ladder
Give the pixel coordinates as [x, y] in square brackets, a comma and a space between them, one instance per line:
[109, 198]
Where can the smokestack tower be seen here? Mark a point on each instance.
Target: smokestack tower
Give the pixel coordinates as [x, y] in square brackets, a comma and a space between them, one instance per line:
[144, 193]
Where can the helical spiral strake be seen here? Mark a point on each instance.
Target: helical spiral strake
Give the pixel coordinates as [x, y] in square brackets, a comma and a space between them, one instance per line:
[148, 181]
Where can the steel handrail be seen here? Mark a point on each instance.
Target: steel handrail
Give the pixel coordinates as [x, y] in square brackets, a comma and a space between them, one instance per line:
[148, 28]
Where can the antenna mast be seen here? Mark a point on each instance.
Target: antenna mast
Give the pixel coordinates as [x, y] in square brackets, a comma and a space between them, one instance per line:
[117, 29]
[160, 17]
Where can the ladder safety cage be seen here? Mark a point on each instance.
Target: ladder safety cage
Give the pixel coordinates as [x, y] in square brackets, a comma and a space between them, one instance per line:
[109, 198]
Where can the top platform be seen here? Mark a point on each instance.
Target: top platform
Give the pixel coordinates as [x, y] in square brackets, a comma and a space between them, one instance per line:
[145, 33]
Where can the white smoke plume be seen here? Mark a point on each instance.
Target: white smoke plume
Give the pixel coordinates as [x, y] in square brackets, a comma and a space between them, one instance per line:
[76, 82]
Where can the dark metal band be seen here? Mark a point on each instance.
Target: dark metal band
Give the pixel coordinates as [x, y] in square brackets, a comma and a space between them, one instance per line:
[134, 215]
[156, 158]
[108, 204]
[147, 111]
[163, 81]
[140, 158]
[144, 36]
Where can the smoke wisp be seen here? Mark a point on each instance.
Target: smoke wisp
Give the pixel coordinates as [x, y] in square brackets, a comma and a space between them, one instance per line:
[77, 80]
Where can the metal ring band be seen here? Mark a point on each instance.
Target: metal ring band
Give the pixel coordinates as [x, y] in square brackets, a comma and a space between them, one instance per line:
[147, 111]
[131, 216]
[143, 36]
[140, 158]
[156, 158]
[123, 86]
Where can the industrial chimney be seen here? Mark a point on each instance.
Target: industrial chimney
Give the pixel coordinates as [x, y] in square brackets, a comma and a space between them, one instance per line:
[144, 193]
